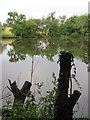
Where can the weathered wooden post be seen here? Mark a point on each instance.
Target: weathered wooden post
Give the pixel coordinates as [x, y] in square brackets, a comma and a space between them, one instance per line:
[64, 104]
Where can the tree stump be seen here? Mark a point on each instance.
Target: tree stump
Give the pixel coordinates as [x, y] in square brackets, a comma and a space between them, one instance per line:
[20, 95]
[63, 108]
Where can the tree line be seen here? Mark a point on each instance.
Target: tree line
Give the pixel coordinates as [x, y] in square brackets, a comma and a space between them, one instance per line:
[50, 26]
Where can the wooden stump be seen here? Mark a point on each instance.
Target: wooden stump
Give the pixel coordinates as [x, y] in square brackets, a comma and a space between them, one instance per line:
[20, 95]
[64, 105]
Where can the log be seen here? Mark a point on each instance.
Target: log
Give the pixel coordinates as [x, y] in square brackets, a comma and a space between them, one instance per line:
[63, 108]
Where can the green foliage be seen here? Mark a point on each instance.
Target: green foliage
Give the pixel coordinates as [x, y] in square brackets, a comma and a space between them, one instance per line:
[77, 24]
[16, 22]
[32, 109]
[34, 46]
[15, 18]
[41, 109]
[30, 28]
[0, 29]
[75, 35]
[47, 27]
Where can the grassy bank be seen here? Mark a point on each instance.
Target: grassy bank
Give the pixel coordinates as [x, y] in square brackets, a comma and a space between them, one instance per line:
[7, 41]
[6, 33]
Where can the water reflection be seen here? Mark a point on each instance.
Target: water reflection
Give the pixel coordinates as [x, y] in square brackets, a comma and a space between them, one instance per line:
[17, 64]
[1, 49]
[48, 47]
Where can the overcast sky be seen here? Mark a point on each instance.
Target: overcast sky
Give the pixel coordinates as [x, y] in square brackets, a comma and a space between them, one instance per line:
[40, 8]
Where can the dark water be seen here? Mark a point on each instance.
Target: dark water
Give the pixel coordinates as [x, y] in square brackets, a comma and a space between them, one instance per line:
[45, 63]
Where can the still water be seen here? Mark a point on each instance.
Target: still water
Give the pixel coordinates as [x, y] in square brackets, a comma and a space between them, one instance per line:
[43, 68]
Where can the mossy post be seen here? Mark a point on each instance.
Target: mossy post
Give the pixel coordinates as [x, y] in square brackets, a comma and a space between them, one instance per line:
[64, 104]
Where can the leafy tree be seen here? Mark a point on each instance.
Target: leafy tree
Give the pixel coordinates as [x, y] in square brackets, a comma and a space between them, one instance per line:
[30, 28]
[0, 29]
[16, 21]
[62, 27]
[62, 19]
[15, 18]
[77, 24]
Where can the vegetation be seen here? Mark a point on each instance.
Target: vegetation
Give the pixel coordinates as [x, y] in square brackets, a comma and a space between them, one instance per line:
[0, 30]
[37, 46]
[6, 41]
[6, 32]
[42, 109]
[45, 36]
[74, 26]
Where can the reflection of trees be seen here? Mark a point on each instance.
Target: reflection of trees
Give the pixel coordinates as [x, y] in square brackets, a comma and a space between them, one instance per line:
[21, 48]
[78, 47]
[34, 46]
[1, 48]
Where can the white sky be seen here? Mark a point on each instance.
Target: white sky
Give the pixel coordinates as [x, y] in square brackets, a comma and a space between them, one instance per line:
[40, 8]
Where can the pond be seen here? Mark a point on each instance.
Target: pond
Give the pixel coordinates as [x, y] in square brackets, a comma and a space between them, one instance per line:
[17, 66]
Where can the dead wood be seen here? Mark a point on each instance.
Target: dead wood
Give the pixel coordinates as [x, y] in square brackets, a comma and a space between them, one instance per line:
[20, 95]
[63, 108]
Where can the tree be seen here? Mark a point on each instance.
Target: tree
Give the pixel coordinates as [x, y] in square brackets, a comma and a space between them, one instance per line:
[15, 18]
[30, 28]
[62, 19]
[50, 25]
[47, 27]
[16, 22]
[64, 104]
[77, 24]
[0, 29]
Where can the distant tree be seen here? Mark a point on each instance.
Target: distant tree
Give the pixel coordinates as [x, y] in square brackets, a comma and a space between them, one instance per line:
[15, 21]
[47, 27]
[83, 23]
[13, 16]
[50, 25]
[62, 27]
[62, 19]
[77, 24]
[30, 28]
[0, 29]
[21, 27]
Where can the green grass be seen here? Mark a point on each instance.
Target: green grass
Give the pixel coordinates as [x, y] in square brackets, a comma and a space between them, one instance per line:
[6, 41]
[6, 33]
